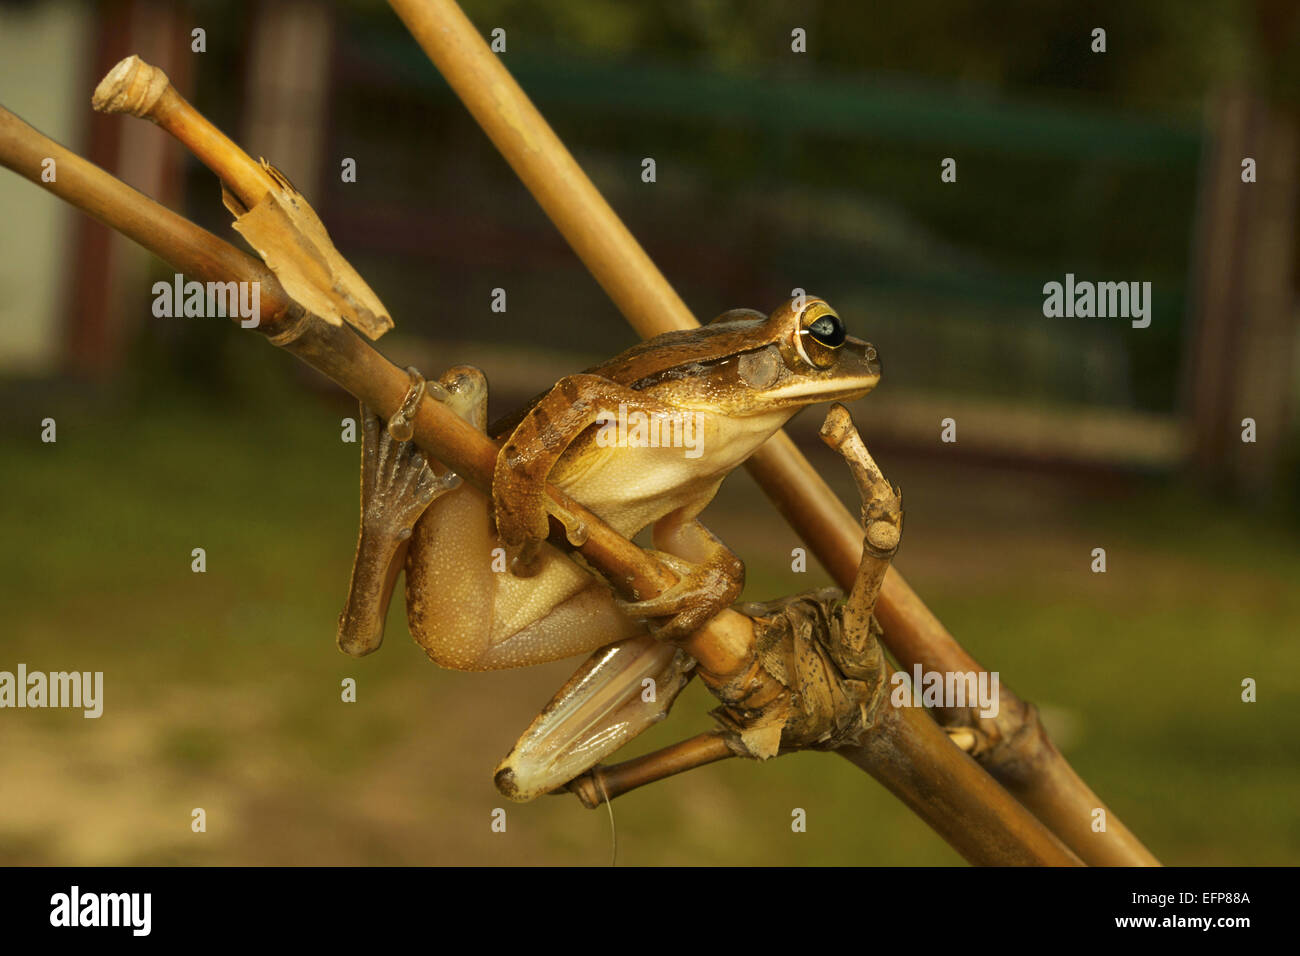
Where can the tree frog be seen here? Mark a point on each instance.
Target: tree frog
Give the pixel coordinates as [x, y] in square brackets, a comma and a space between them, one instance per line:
[717, 392]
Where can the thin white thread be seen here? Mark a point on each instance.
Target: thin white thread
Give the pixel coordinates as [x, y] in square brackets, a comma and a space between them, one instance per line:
[613, 830]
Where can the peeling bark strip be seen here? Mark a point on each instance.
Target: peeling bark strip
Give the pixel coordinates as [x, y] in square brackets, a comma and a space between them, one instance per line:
[832, 690]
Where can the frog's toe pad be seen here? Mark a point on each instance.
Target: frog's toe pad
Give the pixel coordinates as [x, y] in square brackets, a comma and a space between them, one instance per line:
[427, 484]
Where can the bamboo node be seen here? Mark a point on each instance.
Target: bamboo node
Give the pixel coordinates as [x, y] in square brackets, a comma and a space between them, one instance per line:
[883, 537]
[832, 690]
[295, 322]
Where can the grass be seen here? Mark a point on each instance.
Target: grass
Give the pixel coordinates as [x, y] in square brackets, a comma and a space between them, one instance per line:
[223, 688]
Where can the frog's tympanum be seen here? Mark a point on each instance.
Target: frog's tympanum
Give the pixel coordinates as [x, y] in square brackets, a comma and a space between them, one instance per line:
[726, 386]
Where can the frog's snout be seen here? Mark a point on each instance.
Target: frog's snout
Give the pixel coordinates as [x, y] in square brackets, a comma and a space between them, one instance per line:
[860, 358]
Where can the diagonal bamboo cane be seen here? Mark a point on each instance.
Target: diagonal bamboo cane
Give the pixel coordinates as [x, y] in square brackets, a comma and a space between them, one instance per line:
[1013, 746]
[909, 756]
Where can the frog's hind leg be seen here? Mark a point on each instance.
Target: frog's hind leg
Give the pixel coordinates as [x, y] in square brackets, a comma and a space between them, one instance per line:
[397, 485]
[617, 693]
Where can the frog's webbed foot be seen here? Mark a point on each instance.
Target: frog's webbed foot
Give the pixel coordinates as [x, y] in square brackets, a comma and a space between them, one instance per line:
[702, 591]
[397, 481]
[397, 485]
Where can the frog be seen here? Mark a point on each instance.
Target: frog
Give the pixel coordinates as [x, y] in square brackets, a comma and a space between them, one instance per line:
[485, 589]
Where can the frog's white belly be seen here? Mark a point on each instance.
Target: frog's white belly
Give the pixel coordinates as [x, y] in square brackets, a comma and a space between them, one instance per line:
[633, 486]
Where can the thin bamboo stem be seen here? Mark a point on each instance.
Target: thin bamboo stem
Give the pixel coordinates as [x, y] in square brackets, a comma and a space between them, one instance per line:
[602, 784]
[137, 88]
[641, 292]
[912, 757]
[136, 216]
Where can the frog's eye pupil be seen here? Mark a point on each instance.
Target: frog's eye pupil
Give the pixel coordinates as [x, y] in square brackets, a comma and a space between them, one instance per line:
[828, 330]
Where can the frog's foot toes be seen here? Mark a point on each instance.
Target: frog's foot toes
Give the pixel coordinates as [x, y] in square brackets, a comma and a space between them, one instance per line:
[521, 531]
[463, 388]
[702, 591]
[421, 482]
[523, 539]
[398, 482]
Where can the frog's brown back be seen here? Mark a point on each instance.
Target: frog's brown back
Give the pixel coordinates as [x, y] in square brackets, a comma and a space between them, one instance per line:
[648, 362]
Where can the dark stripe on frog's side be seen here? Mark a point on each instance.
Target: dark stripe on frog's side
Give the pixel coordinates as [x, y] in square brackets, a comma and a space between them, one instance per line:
[652, 361]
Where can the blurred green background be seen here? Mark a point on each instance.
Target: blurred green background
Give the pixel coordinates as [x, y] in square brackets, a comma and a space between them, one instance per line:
[775, 170]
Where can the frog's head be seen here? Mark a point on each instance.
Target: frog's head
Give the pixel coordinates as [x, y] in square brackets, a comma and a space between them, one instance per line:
[746, 363]
[819, 360]
[799, 355]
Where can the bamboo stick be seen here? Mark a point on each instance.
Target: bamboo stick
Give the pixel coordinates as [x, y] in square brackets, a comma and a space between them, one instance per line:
[640, 291]
[137, 217]
[981, 821]
[269, 212]
[602, 784]
[1014, 746]
[137, 88]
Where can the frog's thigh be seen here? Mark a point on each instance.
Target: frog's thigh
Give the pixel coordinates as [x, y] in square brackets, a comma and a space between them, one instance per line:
[577, 625]
[469, 617]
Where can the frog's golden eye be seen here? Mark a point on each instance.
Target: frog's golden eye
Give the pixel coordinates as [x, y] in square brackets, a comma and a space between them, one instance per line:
[828, 330]
[820, 333]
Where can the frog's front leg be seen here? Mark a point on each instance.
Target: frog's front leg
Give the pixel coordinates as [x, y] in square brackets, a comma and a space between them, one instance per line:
[520, 504]
[710, 576]
[397, 485]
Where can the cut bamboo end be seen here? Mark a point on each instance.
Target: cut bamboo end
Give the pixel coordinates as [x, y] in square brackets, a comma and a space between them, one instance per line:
[132, 86]
[838, 427]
